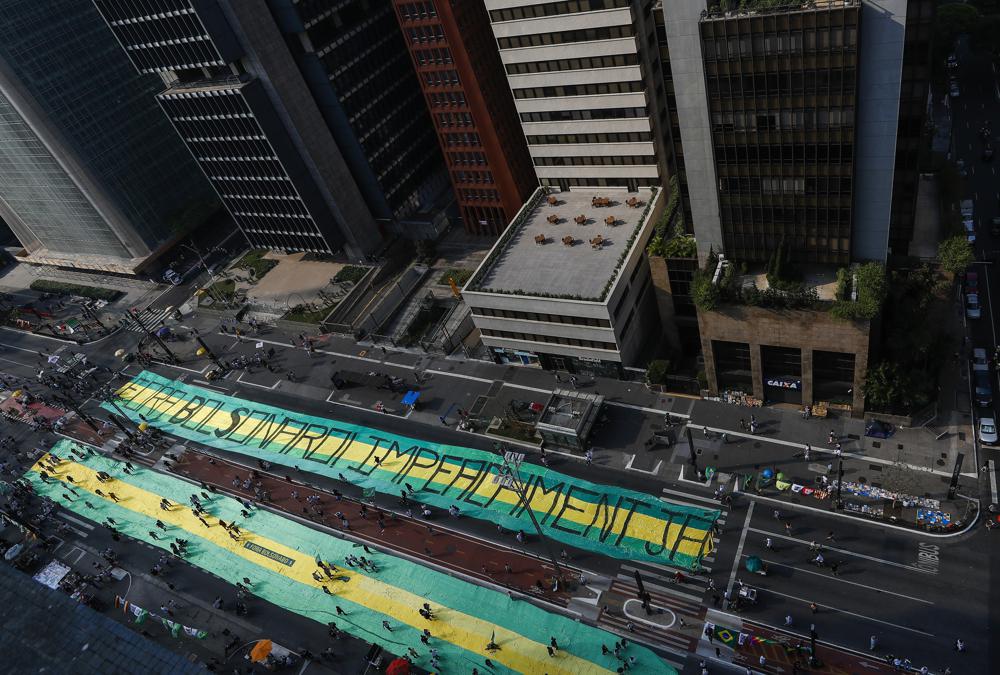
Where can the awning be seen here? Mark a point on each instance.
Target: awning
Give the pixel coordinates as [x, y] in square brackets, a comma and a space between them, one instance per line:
[410, 398]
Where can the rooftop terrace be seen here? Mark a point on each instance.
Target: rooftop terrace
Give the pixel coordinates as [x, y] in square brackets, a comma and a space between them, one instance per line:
[565, 244]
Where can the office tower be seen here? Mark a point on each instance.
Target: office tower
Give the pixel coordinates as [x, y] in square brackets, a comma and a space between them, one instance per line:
[305, 116]
[587, 86]
[790, 118]
[800, 124]
[91, 174]
[455, 56]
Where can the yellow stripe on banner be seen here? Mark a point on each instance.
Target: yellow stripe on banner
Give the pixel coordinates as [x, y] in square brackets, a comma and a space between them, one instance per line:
[605, 517]
[463, 630]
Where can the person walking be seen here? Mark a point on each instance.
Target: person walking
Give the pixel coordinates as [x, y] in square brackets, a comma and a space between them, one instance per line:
[385, 624]
[769, 544]
[788, 529]
[788, 619]
[872, 643]
[807, 452]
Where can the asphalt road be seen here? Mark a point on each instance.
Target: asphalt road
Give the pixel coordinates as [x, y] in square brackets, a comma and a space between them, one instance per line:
[915, 598]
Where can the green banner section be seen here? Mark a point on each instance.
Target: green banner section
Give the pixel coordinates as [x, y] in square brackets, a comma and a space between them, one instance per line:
[278, 555]
[605, 519]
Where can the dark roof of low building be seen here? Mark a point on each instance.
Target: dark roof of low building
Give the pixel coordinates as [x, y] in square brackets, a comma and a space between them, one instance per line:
[46, 631]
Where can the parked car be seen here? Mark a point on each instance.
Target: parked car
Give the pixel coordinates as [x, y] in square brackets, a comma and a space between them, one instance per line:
[971, 282]
[972, 309]
[970, 230]
[984, 388]
[987, 431]
[879, 429]
[979, 359]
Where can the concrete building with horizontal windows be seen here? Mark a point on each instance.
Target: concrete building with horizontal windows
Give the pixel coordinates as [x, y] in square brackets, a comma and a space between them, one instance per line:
[567, 286]
[801, 125]
[587, 90]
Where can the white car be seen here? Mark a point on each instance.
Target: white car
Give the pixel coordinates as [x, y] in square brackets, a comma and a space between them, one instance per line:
[970, 230]
[979, 359]
[972, 306]
[987, 430]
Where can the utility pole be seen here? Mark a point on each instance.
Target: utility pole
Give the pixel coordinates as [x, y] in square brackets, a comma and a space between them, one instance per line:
[512, 479]
[108, 395]
[135, 316]
[840, 481]
[72, 406]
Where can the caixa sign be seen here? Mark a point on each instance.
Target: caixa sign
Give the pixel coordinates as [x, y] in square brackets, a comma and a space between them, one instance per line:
[784, 384]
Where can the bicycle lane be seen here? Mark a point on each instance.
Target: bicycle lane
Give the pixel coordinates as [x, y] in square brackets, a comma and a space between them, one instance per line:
[417, 539]
[468, 616]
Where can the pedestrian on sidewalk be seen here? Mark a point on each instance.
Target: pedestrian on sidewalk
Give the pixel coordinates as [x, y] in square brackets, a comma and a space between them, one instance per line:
[769, 544]
[788, 619]
[872, 643]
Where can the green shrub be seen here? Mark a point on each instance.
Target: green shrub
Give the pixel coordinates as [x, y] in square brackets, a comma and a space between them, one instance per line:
[459, 275]
[254, 260]
[704, 293]
[353, 273]
[62, 288]
[657, 371]
[872, 288]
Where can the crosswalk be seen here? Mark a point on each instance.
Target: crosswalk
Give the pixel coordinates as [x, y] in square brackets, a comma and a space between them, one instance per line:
[150, 317]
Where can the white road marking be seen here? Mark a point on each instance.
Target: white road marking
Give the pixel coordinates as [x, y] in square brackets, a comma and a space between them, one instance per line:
[844, 611]
[688, 495]
[206, 383]
[845, 581]
[81, 523]
[892, 563]
[656, 469]
[819, 449]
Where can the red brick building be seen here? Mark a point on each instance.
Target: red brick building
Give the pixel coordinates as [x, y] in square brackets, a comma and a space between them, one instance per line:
[457, 62]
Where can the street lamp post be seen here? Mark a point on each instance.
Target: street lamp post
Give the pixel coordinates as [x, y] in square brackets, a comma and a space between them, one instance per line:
[109, 396]
[840, 481]
[693, 455]
[72, 406]
[511, 478]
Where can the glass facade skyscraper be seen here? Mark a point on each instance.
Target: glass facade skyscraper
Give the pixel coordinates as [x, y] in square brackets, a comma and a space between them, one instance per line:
[90, 174]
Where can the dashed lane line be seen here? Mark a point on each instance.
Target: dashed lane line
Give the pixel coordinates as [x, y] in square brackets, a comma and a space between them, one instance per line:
[838, 550]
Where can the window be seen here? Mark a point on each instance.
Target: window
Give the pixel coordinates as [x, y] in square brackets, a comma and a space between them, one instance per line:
[581, 35]
[554, 8]
[572, 115]
[620, 137]
[579, 90]
[583, 63]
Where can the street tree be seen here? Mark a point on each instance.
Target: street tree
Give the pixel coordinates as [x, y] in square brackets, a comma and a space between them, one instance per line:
[955, 254]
